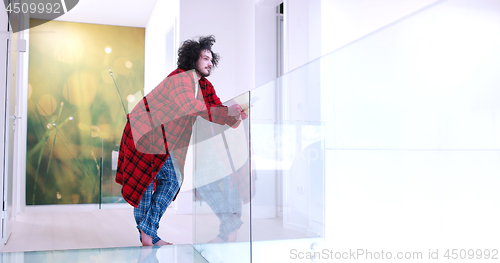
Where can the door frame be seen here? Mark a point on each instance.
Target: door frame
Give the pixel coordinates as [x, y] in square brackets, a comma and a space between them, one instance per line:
[4, 69]
[20, 47]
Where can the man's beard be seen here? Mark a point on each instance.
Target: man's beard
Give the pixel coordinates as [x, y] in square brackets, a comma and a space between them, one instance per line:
[203, 74]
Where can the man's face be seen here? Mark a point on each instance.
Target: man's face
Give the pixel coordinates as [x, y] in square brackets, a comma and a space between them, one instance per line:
[204, 63]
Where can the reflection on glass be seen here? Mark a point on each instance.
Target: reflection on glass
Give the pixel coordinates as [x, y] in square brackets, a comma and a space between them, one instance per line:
[287, 142]
[222, 186]
[263, 182]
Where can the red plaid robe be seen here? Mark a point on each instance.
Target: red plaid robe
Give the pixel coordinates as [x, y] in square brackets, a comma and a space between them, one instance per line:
[162, 124]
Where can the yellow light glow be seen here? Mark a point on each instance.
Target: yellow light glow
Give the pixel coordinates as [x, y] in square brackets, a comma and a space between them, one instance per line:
[106, 77]
[107, 50]
[94, 131]
[120, 66]
[84, 127]
[46, 105]
[70, 50]
[80, 89]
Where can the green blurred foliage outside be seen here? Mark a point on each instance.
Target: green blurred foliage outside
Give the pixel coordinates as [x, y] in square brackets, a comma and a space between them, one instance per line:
[75, 115]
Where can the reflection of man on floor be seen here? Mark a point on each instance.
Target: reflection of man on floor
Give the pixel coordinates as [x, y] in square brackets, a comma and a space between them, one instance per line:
[222, 177]
[225, 201]
[158, 131]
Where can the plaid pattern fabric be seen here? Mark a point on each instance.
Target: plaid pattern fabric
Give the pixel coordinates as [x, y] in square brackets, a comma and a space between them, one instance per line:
[225, 202]
[162, 124]
[153, 204]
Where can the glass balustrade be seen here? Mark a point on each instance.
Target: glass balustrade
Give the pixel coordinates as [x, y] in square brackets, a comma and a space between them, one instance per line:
[390, 142]
[109, 191]
[222, 187]
[403, 121]
[287, 152]
[259, 188]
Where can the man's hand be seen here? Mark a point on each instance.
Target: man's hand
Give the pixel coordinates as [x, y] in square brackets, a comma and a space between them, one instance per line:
[237, 112]
[244, 114]
[234, 110]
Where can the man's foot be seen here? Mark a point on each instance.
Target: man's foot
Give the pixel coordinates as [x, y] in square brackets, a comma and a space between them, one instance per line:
[216, 240]
[162, 243]
[146, 240]
[231, 237]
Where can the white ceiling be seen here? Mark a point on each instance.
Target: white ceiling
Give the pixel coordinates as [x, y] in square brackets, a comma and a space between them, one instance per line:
[133, 13]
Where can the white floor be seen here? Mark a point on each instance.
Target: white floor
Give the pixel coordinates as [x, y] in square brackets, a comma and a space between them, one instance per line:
[113, 228]
[91, 229]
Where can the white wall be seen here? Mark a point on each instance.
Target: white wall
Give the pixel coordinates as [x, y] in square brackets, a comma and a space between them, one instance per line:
[265, 41]
[163, 18]
[345, 21]
[232, 24]
[302, 36]
[303, 33]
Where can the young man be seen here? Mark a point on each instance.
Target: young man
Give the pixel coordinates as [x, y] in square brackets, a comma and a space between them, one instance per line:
[158, 130]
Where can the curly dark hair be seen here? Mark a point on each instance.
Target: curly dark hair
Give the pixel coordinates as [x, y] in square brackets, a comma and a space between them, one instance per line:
[190, 50]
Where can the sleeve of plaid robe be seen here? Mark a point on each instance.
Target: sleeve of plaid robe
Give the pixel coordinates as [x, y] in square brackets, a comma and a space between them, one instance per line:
[182, 97]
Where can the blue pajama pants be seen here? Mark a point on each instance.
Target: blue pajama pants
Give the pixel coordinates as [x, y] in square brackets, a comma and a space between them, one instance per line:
[154, 203]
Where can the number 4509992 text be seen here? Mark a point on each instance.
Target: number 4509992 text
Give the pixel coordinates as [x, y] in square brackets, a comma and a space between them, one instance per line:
[34, 8]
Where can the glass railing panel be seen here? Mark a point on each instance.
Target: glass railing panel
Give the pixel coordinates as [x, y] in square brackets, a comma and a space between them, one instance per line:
[287, 141]
[412, 140]
[222, 192]
[110, 191]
